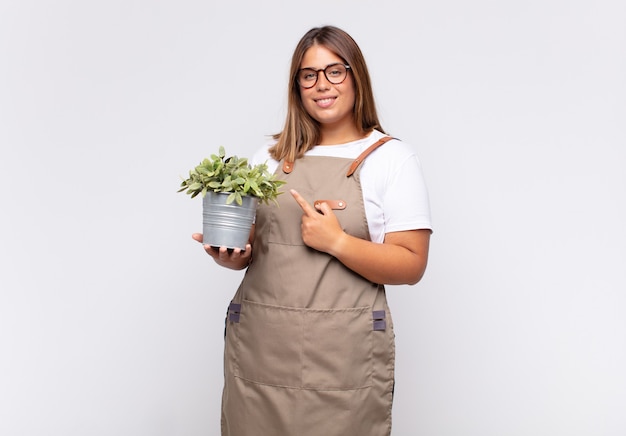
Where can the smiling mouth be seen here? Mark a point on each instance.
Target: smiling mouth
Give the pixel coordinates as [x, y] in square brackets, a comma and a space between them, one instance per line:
[325, 101]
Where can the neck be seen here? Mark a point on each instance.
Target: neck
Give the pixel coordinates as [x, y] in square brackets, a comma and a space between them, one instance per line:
[331, 135]
[340, 132]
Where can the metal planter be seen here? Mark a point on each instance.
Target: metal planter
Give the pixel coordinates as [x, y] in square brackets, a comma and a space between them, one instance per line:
[227, 224]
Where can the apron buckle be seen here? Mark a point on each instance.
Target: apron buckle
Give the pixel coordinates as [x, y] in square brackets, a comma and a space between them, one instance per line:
[234, 310]
[379, 320]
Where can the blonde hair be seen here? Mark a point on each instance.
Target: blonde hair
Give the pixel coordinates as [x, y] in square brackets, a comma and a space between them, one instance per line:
[301, 132]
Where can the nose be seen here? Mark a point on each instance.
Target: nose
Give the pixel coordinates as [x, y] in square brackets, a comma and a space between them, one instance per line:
[322, 82]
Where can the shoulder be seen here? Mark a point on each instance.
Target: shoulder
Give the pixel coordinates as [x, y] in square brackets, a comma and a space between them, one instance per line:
[262, 155]
[392, 166]
[392, 154]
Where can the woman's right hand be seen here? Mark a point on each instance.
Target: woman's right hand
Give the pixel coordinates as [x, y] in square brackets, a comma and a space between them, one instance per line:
[227, 257]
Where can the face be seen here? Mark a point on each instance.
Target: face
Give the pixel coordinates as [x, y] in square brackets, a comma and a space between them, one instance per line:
[331, 105]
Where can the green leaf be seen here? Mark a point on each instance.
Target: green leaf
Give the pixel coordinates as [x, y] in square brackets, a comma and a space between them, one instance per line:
[232, 175]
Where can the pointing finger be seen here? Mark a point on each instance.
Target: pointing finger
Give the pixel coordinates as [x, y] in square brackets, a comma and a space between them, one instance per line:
[306, 207]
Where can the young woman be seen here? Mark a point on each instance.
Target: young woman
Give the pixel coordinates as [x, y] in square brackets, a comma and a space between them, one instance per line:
[309, 339]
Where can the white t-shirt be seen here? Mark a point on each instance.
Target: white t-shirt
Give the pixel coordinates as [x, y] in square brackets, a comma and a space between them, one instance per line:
[394, 191]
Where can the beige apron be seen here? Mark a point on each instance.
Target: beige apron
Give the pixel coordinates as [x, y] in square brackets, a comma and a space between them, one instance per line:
[309, 343]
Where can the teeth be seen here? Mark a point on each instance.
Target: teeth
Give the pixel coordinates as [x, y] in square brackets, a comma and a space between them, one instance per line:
[325, 100]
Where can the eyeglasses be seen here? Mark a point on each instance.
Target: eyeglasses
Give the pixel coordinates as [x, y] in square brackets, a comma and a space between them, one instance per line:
[334, 73]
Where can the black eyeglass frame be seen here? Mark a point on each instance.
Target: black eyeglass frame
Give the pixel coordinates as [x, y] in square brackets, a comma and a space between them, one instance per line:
[317, 74]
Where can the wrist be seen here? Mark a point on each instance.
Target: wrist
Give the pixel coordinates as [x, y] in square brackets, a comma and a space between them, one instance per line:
[339, 244]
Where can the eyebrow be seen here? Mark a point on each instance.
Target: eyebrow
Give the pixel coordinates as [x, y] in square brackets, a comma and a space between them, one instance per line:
[328, 65]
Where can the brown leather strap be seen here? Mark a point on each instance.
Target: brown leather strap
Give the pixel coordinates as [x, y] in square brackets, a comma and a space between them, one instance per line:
[334, 204]
[362, 156]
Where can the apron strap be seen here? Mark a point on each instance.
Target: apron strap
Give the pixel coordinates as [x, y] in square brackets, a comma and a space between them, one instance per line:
[362, 156]
[288, 165]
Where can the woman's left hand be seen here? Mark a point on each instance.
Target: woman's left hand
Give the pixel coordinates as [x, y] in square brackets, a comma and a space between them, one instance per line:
[320, 227]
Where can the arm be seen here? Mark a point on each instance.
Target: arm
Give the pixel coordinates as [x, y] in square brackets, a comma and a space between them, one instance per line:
[235, 259]
[400, 259]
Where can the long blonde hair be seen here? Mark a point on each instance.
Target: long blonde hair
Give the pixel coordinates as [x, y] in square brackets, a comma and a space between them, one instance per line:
[301, 132]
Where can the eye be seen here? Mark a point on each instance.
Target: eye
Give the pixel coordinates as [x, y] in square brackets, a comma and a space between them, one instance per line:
[335, 71]
[308, 75]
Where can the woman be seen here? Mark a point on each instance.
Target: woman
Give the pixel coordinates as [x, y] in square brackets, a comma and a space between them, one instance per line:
[309, 338]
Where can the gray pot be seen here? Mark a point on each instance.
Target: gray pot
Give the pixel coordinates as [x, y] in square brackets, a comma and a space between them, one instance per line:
[227, 224]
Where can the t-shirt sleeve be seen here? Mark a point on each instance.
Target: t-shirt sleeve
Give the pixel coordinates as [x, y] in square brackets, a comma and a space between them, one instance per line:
[406, 202]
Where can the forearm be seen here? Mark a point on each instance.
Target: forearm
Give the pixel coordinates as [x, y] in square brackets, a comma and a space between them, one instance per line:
[399, 260]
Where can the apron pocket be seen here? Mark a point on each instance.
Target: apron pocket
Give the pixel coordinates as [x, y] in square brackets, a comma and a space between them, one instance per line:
[303, 348]
[268, 344]
[337, 349]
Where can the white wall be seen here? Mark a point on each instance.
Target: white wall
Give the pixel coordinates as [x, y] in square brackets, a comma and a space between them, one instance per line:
[111, 317]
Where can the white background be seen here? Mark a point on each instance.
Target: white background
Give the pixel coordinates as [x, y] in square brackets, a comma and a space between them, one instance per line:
[111, 317]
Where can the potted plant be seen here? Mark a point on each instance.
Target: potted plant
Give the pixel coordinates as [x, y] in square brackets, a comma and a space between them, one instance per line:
[230, 188]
